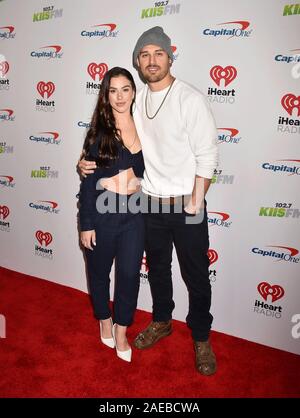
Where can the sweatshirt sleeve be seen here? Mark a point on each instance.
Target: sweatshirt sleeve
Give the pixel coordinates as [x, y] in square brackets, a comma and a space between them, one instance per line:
[87, 202]
[202, 133]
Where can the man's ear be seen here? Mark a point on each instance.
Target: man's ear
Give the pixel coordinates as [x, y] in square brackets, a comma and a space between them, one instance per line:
[138, 62]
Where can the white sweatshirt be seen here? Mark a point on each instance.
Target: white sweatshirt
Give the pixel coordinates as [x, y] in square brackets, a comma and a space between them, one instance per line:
[179, 142]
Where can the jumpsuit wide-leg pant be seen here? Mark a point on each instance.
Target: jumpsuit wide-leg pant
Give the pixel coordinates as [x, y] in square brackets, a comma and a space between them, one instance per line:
[119, 237]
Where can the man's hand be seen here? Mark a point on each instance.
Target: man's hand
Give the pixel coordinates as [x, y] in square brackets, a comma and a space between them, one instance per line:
[192, 209]
[88, 238]
[86, 167]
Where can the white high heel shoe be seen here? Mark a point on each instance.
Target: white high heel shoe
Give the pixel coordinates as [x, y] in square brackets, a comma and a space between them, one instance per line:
[110, 342]
[124, 355]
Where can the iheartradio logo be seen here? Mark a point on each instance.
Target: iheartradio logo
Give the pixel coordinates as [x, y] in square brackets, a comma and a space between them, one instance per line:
[97, 70]
[212, 256]
[45, 237]
[275, 291]
[290, 102]
[218, 73]
[4, 67]
[144, 266]
[45, 89]
[4, 212]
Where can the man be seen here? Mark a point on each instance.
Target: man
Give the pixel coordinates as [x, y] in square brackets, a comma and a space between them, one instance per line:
[178, 137]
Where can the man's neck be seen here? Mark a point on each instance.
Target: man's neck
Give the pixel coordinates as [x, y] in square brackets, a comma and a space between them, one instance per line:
[162, 84]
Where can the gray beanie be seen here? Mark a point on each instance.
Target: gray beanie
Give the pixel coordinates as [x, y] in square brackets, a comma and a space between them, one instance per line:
[153, 36]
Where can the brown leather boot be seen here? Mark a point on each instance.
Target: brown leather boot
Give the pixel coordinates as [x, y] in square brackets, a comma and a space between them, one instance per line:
[206, 363]
[153, 333]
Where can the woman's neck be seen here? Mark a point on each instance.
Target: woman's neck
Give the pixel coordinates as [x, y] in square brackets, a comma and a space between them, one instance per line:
[123, 119]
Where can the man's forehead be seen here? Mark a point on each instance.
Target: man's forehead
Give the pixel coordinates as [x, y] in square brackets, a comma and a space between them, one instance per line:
[151, 47]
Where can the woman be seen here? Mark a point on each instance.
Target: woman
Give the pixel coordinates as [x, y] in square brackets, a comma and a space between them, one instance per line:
[109, 229]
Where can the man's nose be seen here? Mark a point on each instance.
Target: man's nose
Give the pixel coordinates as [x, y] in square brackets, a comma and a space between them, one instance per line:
[152, 60]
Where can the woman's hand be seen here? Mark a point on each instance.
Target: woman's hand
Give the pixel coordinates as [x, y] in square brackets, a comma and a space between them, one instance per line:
[88, 238]
[86, 167]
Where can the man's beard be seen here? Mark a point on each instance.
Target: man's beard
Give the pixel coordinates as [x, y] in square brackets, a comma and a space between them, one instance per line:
[154, 78]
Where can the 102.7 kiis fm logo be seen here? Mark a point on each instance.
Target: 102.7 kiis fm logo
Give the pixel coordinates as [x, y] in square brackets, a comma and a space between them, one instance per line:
[5, 148]
[47, 13]
[44, 173]
[270, 293]
[220, 178]
[280, 210]
[161, 8]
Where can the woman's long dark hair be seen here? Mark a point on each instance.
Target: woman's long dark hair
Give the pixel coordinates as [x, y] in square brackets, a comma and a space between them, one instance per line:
[103, 122]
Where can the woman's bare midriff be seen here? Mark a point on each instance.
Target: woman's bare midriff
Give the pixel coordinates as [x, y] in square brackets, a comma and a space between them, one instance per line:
[123, 183]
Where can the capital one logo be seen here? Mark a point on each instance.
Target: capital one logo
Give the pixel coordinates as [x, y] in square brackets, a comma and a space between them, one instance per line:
[4, 212]
[228, 74]
[6, 115]
[56, 48]
[97, 70]
[290, 102]
[212, 256]
[45, 237]
[219, 219]
[265, 289]
[7, 32]
[45, 89]
[8, 180]
[4, 67]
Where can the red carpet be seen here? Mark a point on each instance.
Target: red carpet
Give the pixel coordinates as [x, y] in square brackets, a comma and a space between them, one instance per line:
[52, 349]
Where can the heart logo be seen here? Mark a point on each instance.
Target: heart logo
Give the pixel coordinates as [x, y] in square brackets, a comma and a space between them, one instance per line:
[212, 256]
[45, 89]
[4, 67]
[97, 70]
[43, 237]
[4, 212]
[275, 291]
[218, 73]
[289, 102]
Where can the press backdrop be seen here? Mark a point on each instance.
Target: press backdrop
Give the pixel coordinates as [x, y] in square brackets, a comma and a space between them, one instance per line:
[244, 56]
